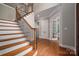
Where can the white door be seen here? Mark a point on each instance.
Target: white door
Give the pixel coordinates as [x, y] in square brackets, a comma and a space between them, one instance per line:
[43, 29]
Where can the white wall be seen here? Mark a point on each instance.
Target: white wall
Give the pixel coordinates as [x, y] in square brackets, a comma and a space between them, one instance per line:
[7, 12]
[26, 30]
[68, 26]
[43, 28]
[30, 19]
[42, 6]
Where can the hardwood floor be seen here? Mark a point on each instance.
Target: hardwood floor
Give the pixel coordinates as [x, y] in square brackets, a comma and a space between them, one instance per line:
[51, 48]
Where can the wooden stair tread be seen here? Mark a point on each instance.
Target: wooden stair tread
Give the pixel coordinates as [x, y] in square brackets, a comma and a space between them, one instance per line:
[10, 30]
[10, 45]
[13, 38]
[9, 23]
[10, 34]
[7, 26]
[12, 53]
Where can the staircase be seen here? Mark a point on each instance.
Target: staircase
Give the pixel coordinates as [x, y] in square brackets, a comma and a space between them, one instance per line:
[13, 42]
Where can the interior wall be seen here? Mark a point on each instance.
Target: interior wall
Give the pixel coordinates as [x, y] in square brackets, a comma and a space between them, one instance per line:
[7, 12]
[30, 19]
[67, 30]
[26, 30]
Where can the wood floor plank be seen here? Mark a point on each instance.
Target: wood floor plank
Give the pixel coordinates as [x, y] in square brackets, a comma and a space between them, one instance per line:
[51, 48]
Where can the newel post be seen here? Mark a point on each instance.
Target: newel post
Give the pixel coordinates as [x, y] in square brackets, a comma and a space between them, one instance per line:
[34, 43]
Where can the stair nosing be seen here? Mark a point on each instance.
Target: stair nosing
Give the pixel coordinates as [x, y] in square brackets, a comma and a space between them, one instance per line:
[11, 45]
[24, 44]
[10, 29]
[9, 23]
[10, 34]
[13, 38]
[26, 47]
[8, 26]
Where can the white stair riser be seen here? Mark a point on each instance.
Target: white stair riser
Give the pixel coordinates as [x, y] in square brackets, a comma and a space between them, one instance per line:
[10, 32]
[12, 41]
[13, 48]
[25, 52]
[8, 21]
[11, 36]
[8, 24]
[9, 27]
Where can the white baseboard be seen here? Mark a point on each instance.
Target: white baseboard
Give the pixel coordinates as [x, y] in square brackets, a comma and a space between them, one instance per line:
[70, 47]
[54, 39]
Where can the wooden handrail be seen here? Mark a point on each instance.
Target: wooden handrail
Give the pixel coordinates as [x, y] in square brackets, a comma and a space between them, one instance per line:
[28, 24]
[19, 17]
[17, 14]
[25, 14]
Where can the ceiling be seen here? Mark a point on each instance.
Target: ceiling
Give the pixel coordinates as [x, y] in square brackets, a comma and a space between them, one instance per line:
[44, 13]
[48, 12]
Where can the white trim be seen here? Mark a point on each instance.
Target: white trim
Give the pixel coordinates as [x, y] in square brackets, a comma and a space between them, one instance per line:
[75, 29]
[65, 46]
[60, 24]
[44, 38]
[54, 38]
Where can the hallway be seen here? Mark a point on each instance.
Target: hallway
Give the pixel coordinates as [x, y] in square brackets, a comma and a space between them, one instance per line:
[52, 49]
[21, 25]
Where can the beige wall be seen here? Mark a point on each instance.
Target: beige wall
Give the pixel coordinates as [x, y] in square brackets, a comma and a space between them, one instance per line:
[67, 30]
[7, 12]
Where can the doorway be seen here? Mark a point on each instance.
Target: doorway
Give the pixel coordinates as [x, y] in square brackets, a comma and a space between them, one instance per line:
[77, 29]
